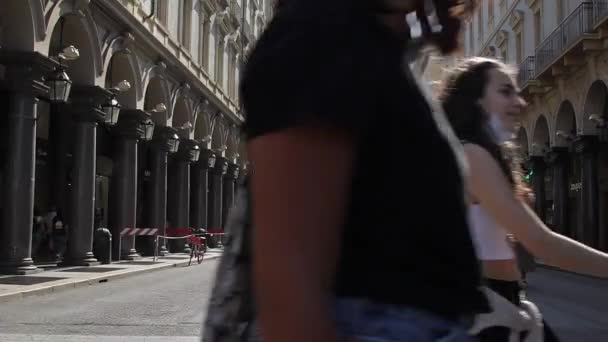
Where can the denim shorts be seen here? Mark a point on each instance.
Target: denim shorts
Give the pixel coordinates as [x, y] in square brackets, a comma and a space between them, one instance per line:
[367, 321]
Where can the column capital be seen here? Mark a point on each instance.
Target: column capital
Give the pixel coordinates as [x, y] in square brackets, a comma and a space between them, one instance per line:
[206, 160]
[187, 150]
[129, 123]
[233, 171]
[536, 162]
[25, 71]
[556, 155]
[221, 166]
[162, 135]
[85, 102]
[585, 143]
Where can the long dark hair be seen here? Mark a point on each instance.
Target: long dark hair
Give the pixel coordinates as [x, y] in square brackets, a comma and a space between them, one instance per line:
[450, 14]
[461, 91]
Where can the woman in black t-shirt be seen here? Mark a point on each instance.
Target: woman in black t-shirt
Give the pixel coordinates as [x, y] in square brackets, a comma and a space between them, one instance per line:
[331, 110]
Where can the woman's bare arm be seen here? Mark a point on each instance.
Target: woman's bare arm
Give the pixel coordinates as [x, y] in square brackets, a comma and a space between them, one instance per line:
[490, 186]
[300, 187]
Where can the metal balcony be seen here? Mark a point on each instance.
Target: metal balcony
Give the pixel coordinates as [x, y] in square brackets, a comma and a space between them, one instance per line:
[571, 31]
[600, 12]
[526, 72]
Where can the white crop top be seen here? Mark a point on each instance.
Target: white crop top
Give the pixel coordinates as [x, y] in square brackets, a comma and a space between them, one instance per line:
[489, 238]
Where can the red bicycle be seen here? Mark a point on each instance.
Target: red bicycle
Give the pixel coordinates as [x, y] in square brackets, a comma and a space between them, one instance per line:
[198, 247]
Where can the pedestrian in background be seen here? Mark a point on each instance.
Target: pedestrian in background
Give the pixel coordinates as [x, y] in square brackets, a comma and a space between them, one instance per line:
[332, 109]
[60, 235]
[482, 103]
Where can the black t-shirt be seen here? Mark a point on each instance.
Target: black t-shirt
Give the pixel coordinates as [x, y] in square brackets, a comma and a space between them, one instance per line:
[406, 238]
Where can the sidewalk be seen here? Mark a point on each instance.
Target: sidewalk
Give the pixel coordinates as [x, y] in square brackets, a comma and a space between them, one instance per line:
[63, 278]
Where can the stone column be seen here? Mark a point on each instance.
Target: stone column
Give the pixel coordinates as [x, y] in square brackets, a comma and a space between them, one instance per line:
[23, 81]
[538, 185]
[558, 159]
[215, 193]
[587, 147]
[229, 187]
[200, 189]
[157, 203]
[81, 198]
[124, 182]
[181, 192]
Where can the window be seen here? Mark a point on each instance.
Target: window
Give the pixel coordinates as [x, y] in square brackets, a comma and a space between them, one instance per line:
[519, 48]
[559, 6]
[231, 72]
[219, 59]
[490, 8]
[471, 46]
[479, 25]
[204, 42]
[185, 23]
[161, 10]
[537, 29]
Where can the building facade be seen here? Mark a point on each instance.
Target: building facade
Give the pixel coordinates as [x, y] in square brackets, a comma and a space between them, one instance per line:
[559, 47]
[146, 135]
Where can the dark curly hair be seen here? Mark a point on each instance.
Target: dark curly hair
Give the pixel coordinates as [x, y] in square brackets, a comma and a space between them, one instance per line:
[459, 96]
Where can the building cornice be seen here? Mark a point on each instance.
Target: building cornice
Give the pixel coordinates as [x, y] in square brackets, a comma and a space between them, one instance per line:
[145, 38]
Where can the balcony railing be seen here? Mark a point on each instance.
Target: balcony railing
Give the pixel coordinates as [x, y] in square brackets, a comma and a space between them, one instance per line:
[579, 23]
[526, 72]
[600, 11]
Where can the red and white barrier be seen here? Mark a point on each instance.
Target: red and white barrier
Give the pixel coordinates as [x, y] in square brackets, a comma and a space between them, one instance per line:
[139, 231]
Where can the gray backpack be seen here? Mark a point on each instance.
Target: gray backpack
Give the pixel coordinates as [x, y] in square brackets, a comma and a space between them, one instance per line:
[231, 310]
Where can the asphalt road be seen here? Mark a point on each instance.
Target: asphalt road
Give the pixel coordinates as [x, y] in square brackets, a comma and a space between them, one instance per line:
[150, 307]
[169, 305]
[575, 307]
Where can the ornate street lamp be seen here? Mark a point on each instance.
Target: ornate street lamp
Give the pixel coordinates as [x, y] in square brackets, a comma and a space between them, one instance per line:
[59, 84]
[173, 141]
[111, 110]
[195, 152]
[211, 161]
[147, 130]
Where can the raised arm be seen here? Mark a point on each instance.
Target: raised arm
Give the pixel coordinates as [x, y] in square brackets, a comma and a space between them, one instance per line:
[300, 188]
[488, 184]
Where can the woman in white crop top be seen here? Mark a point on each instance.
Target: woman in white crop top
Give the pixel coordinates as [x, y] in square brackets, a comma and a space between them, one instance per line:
[482, 104]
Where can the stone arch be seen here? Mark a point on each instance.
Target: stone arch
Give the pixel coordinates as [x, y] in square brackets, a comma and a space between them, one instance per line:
[19, 25]
[596, 105]
[157, 92]
[219, 136]
[243, 151]
[565, 122]
[69, 30]
[119, 68]
[182, 117]
[204, 124]
[522, 142]
[540, 138]
[233, 142]
[81, 31]
[119, 48]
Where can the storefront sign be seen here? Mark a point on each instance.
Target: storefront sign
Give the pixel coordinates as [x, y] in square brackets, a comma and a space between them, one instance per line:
[576, 186]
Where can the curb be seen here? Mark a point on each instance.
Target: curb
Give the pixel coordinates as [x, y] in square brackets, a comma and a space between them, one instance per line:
[93, 281]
